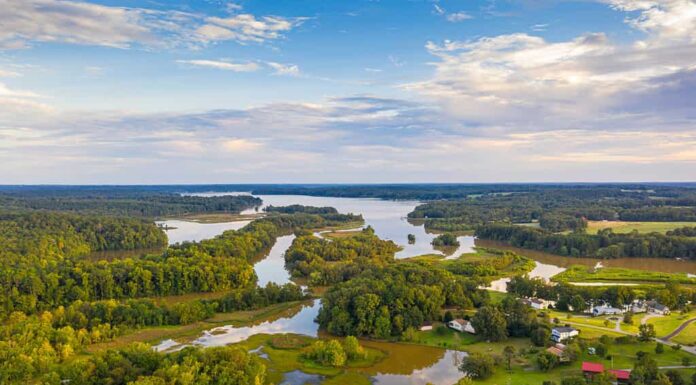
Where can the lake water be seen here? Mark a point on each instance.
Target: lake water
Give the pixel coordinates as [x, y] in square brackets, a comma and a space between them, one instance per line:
[388, 218]
[182, 231]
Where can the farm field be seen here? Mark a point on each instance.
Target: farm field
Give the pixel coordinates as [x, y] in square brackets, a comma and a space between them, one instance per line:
[643, 227]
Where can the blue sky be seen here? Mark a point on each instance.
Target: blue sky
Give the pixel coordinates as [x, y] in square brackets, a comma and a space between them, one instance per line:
[347, 91]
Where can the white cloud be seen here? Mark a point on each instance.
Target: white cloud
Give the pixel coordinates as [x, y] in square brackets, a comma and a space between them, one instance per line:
[284, 69]
[245, 28]
[524, 80]
[26, 21]
[458, 16]
[222, 65]
[453, 17]
[23, 22]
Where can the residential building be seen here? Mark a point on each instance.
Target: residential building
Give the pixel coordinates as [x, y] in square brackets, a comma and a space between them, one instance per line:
[605, 310]
[461, 325]
[590, 369]
[563, 333]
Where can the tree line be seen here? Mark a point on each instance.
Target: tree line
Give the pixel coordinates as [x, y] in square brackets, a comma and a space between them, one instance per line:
[605, 244]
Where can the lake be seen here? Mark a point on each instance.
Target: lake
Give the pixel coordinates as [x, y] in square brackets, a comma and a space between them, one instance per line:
[388, 218]
[181, 231]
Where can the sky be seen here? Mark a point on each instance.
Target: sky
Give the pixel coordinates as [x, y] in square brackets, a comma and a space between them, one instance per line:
[336, 91]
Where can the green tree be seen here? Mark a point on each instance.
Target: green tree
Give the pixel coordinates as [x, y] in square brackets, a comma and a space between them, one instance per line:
[478, 366]
[490, 322]
[659, 348]
[646, 332]
[546, 361]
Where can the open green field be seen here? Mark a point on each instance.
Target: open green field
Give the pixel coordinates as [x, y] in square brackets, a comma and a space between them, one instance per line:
[643, 227]
[667, 324]
[687, 336]
[578, 273]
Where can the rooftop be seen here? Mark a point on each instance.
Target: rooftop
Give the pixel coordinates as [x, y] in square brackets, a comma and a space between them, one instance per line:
[592, 367]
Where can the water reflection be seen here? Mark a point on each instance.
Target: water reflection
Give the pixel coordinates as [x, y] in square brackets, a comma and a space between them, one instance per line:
[272, 267]
[414, 364]
[301, 323]
[182, 231]
[297, 377]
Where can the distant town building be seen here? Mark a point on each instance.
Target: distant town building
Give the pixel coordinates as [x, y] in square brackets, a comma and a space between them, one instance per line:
[563, 333]
[461, 325]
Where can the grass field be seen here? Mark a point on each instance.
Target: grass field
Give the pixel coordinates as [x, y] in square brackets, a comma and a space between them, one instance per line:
[687, 336]
[578, 273]
[667, 324]
[643, 227]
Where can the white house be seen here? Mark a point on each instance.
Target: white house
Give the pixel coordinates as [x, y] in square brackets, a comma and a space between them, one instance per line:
[605, 310]
[426, 327]
[562, 333]
[461, 325]
[537, 303]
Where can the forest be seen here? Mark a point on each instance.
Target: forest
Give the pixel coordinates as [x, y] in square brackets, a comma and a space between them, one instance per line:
[384, 302]
[147, 203]
[606, 244]
[559, 210]
[57, 301]
[324, 261]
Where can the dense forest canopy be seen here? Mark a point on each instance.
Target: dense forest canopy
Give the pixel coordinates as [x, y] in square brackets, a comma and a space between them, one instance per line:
[121, 201]
[560, 209]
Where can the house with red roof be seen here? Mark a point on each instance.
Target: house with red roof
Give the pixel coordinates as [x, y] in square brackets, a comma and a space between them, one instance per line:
[590, 369]
[622, 376]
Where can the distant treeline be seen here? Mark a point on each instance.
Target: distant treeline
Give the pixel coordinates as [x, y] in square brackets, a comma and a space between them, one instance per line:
[603, 245]
[117, 201]
[292, 209]
[560, 209]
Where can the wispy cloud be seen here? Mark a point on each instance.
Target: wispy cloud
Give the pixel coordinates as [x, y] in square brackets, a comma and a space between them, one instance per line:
[284, 69]
[249, 66]
[453, 17]
[222, 65]
[25, 22]
[245, 28]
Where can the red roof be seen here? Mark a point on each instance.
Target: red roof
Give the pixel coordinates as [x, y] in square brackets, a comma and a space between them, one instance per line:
[621, 374]
[592, 367]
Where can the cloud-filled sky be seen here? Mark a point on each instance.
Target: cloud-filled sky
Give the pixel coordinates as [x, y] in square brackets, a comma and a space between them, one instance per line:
[305, 91]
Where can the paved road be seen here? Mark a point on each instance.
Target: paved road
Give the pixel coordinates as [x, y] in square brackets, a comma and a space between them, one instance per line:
[677, 330]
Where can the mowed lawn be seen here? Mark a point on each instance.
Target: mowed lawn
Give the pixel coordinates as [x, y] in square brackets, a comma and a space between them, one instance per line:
[667, 324]
[643, 227]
